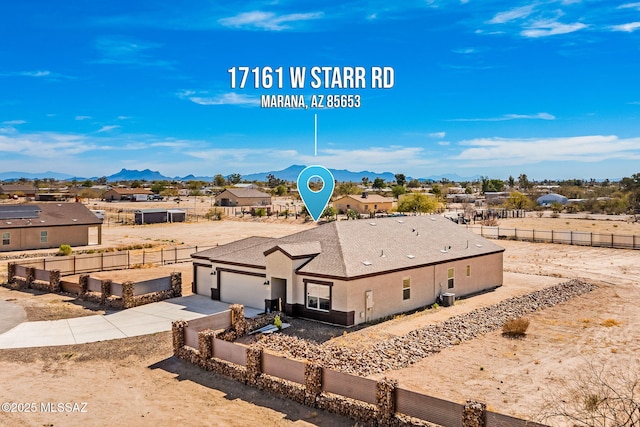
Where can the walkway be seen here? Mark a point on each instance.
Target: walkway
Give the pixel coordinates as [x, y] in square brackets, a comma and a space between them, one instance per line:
[143, 320]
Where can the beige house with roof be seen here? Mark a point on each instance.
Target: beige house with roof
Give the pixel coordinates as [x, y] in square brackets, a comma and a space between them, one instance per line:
[365, 203]
[47, 225]
[350, 272]
[243, 197]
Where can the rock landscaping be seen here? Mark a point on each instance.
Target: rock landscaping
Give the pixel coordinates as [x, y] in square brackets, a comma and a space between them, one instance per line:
[402, 351]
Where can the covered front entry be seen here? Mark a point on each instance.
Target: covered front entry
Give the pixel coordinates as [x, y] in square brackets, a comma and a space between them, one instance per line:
[243, 288]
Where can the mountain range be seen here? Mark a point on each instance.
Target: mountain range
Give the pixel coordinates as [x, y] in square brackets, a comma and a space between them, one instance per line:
[289, 174]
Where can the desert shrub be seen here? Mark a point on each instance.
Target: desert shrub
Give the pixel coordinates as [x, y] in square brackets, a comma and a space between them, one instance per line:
[260, 212]
[214, 214]
[277, 322]
[64, 250]
[607, 323]
[492, 222]
[515, 327]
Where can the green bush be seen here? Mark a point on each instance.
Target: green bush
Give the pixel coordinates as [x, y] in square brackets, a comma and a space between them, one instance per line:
[65, 250]
[277, 322]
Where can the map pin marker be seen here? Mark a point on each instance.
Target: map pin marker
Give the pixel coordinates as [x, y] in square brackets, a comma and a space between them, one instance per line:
[315, 201]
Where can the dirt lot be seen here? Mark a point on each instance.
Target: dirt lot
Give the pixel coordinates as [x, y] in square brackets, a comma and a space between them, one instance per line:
[148, 387]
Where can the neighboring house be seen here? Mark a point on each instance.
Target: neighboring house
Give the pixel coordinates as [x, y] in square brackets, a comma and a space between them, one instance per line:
[249, 185]
[243, 197]
[47, 225]
[132, 194]
[350, 272]
[365, 203]
[551, 198]
[155, 216]
[22, 190]
[496, 197]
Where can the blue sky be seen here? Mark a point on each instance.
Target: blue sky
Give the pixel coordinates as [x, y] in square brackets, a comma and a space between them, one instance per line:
[547, 88]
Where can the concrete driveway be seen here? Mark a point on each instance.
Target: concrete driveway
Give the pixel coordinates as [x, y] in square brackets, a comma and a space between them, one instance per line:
[143, 320]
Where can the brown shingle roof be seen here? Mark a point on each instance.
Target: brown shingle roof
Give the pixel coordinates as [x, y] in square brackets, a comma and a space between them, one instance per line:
[54, 214]
[12, 188]
[129, 191]
[352, 249]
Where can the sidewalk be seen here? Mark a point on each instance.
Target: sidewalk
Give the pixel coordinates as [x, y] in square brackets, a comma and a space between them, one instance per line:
[143, 320]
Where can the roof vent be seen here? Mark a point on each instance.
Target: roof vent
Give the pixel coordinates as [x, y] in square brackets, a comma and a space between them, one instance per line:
[382, 255]
[372, 223]
[400, 221]
[8, 222]
[367, 263]
[411, 256]
[478, 245]
[74, 219]
[59, 204]
[433, 219]
[444, 251]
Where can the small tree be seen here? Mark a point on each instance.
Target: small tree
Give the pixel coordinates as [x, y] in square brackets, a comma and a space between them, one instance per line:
[65, 250]
[416, 202]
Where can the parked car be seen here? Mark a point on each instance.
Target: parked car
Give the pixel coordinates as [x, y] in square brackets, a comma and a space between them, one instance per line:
[156, 197]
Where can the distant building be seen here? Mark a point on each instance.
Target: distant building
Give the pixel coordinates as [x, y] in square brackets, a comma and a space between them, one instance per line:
[130, 194]
[551, 198]
[156, 216]
[243, 197]
[22, 190]
[364, 203]
[249, 185]
[47, 225]
[496, 197]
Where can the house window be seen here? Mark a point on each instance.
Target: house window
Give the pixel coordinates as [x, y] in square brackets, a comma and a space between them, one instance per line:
[318, 297]
[468, 270]
[450, 274]
[6, 238]
[406, 288]
[366, 208]
[43, 236]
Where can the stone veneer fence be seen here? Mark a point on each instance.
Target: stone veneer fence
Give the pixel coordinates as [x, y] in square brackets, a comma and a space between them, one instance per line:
[380, 402]
[580, 238]
[103, 291]
[105, 261]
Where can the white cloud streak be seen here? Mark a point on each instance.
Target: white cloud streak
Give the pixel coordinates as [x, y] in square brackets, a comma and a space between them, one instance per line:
[539, 116]
[628, 28]
[512, 15]
[230, 98]
[269, 21]
[548, 28]
[14, 122]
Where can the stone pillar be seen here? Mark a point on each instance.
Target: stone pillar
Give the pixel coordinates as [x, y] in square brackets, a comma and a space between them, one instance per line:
[31, 276]
[11, 272]
[127, 294]
[105, 286]
[385, 395]
[176, 284]
[312, 383]
[474, 414]
[177, 330]
[238, 322]
[54, 281]
[205, 344]
[254, 364]
[83, 281]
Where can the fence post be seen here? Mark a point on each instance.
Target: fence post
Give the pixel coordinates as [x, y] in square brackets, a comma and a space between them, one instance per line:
[74, 264]
[533, 235]
[312, 383]
[591, 239]
[31, 276]
[105, 287]
[127, 294]
[44, 263]
[176, 283]
[83, 281]
[552, 236]
[11, 272]
[128, 259]
[177, 331]
[161, 256]
[205, 344]
[571, 236]
[474, 414]
[386, 399]
[143, 256]
[612, 240]
[254, 365]
[54, 281]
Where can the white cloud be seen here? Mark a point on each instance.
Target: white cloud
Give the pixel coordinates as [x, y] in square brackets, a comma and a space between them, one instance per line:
[44, 145]
[465, 51]
[107, 128]
[629, 6]
[46, 74]
[437, 135]
[128, 51]
[444, 143]
[538, 116]
[629, 28]
[548, 28]
[513, 14]
[14, 122]
[43, 73]
[267, 20]
[80, 118]
[230, 98]
[508, 152]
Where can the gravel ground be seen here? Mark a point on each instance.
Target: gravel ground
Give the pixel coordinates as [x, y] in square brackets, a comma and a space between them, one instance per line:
[402, 351]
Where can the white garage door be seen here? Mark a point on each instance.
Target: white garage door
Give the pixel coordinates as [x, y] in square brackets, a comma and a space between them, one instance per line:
[204, 281]
[243, 289]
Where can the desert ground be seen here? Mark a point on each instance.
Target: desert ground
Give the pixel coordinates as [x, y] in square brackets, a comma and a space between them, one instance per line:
[137, 381]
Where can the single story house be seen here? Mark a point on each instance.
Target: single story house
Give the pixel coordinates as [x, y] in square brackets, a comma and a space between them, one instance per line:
[155, 216]
[243, 197]
[364, 203]
[132, 194]
[47, 225]
[21, 190]
[246, 185]
[551, 198]
[350, 272]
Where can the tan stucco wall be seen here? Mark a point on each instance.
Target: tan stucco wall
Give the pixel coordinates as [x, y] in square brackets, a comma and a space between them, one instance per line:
[29, 238]
[282, 267]
[243, 201]
[361, 205]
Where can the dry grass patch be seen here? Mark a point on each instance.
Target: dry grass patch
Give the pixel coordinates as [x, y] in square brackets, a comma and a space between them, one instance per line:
[608, 323]
[515, 328]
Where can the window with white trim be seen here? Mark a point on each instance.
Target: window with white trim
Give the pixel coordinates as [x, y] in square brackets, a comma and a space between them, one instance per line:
[318, 297]
[450, 278]
[6, 238]
[406, 288]
[44, 236]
